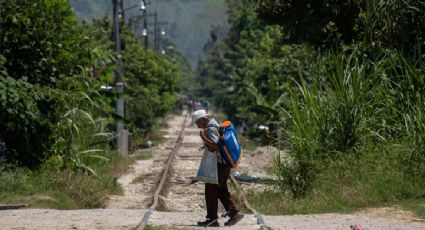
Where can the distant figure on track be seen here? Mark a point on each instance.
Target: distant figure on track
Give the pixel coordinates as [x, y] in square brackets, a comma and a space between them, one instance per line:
[190, 106]
[209, 135]
[197, 105]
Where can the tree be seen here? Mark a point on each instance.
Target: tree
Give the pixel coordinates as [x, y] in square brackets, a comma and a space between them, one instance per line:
[40, 41]
[320, 22]
[51, 65]
[380, 24]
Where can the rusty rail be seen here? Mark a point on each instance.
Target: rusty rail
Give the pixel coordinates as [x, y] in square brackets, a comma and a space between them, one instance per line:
[164, 176]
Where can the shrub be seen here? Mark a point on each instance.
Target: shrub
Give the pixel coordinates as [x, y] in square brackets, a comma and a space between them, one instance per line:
[24, 129]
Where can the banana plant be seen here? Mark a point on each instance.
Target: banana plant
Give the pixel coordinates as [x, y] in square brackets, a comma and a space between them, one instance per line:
[274, 111]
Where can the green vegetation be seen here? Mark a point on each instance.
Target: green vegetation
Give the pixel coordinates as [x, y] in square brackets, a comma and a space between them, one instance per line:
[56, 121]
[248, 144]
[416, 206]
[143, 154]
[62, 189]
[344, 79]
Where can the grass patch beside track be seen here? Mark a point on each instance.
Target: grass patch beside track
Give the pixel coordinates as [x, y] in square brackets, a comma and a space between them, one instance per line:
[248, 144]
[348, 184]
[143, 154]
[284, 205]
[416, 206]
[47, 188]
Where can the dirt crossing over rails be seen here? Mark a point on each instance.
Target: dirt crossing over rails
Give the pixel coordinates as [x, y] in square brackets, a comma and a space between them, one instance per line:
[185, 203]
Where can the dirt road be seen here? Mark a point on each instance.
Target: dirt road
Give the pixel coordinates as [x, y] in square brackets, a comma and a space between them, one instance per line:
[184, 203]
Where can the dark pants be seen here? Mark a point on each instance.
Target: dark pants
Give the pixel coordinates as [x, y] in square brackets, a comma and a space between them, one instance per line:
[213, 192]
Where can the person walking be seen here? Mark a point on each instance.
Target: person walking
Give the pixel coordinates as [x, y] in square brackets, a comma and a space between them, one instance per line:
[214, 192]
[190, 106]
[197, 105]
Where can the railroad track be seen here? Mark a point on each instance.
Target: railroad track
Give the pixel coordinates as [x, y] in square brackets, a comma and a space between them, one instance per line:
[175, 191]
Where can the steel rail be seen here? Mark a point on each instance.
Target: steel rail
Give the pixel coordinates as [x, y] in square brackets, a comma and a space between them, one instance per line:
[150, 210]
[260, 219]
[12, 206]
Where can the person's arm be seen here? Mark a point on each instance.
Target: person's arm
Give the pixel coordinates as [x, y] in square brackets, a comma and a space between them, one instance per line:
[209, 143]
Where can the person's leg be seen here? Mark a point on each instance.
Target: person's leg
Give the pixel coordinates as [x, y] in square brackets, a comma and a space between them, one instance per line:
[211, 199]
[223, 192]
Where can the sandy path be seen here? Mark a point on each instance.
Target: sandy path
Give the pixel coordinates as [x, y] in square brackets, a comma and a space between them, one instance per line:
[181, 195]
[129, 218]
[187, 201]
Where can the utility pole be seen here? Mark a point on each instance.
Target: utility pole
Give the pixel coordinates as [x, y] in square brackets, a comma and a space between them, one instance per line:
[157, 32]
[122, 138]
[155, 29]
[121, 12]
[145, 27]
[0, 25]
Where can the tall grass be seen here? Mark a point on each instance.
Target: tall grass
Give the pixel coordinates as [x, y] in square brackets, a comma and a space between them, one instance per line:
[348, 183]
[81, 138]
[362, 107]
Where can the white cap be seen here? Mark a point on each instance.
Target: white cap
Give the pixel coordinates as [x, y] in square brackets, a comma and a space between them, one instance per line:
[197, 115]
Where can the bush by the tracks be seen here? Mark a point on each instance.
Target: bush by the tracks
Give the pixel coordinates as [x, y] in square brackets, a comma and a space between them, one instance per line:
[20, 119]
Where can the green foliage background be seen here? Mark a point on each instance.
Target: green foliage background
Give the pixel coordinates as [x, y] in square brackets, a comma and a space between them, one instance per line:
[152, 84]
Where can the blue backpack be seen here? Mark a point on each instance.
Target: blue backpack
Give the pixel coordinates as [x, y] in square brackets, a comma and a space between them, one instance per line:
[230, 148]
